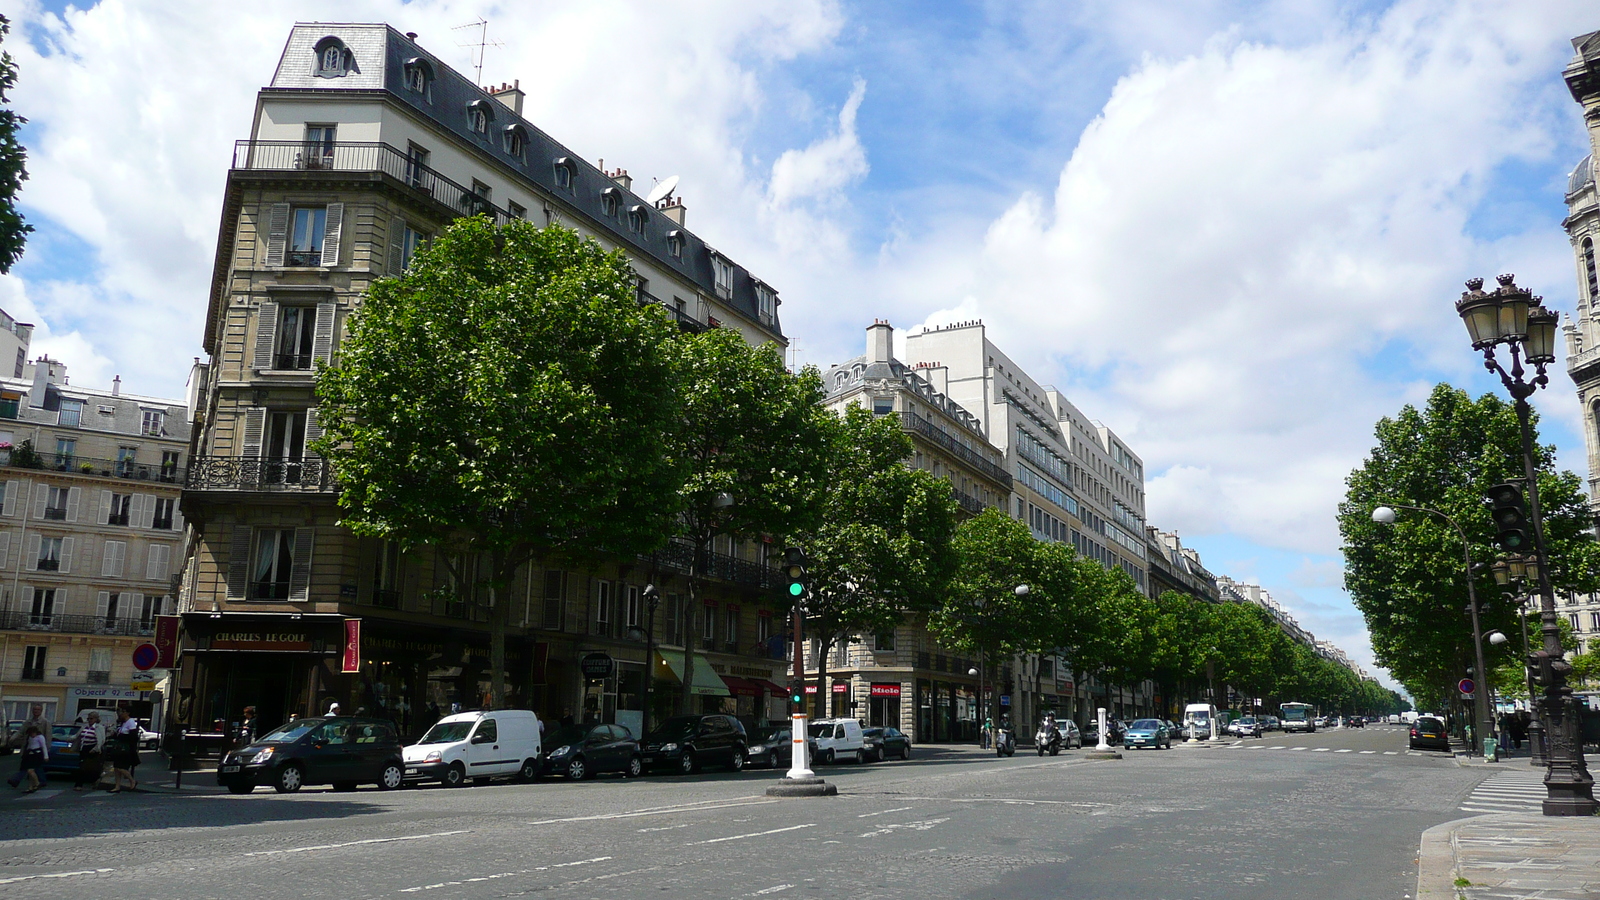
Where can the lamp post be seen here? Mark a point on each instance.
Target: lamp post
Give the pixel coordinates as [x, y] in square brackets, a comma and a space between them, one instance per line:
[1384, 515]
[1020, 591]
[652, 600]
[1512, 316]
[1514, 570]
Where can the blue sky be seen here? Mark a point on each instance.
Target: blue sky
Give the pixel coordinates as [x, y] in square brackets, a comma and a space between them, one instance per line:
[1230, 231]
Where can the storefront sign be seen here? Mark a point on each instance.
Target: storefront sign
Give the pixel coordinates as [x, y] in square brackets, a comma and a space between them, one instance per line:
[1005, 699]
[839, 687]
[886, 690]
[598, 665]
[166, 641]
[261, 640]
[100, 692]
[138, 685]
[351, 661]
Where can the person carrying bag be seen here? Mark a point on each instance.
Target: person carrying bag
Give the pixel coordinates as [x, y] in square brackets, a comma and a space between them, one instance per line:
[90, 742]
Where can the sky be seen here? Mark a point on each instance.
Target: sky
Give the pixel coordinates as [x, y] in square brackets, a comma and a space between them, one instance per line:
[1230, 231]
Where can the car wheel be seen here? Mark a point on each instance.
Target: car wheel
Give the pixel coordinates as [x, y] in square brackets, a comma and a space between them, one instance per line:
[344, 787]
[635, 768]
[577, 769]
[238, 787]
[529, 772]
[392, 777]
[736, 760]
[827, 757]
[454, 777]
[686, 763]
[905, 753]
[290, 779]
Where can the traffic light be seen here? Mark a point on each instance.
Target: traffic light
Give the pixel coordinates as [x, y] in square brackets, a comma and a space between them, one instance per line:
[1510, 516]
[797, 692]
[794, 572]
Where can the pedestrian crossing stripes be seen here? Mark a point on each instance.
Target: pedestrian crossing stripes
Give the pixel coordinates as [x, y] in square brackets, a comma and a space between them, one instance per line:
[1517, 790]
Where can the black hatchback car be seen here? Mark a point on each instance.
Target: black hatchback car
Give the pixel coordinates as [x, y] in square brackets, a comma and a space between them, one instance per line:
[583, 751]
[1428, 733]
[883, 743]
[343, 751]
[685, 743]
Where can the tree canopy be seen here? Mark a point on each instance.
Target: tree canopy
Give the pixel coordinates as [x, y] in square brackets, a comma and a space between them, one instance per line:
[13, 164]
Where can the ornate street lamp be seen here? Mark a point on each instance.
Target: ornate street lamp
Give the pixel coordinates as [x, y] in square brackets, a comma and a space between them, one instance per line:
[1528, 330]
[1514, 571]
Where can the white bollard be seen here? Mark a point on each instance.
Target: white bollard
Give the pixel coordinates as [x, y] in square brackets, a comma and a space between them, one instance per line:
[1100, 715]
[800, 752]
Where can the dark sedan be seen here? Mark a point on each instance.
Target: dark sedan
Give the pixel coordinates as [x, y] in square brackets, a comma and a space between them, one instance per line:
[583, 751]
[343, 751]
[1427, 733]
[774, 747]
[882, 743]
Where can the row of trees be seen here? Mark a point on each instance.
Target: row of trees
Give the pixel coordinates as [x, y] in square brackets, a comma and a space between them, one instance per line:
[508, 398]
[1409, 579]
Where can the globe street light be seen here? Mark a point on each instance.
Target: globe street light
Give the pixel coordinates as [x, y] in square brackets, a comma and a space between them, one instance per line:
[1385, 515]
[1513, 316]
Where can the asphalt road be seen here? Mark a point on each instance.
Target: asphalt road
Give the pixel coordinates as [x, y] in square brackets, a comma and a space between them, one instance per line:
[1340, 818]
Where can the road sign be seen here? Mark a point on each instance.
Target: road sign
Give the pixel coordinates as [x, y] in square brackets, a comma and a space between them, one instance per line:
[1466, 686]
[142, 685]
[145, 656]
[1005, 699]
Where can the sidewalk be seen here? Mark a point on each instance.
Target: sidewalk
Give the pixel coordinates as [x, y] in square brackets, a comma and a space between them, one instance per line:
[1510, 855]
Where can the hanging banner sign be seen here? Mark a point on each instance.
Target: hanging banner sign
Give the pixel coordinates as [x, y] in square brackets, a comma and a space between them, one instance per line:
[351, 661]
[166, 641]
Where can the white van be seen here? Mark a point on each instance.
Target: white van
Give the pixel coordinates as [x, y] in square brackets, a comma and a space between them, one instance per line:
[479, 745]
[833, 738]
[1199, 721]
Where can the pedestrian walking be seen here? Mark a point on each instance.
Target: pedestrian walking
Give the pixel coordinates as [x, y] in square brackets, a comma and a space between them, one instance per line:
[35, 750]
[124, 751]
[333, 708]
[37, 720]
[90, 742]
[247, 728]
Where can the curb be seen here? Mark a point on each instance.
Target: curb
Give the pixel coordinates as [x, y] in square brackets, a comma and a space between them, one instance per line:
[1436, 861]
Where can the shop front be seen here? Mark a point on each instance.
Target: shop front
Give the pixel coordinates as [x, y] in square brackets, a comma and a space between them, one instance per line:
[947, 712]
[706, 686]
[414, 675]
[883, 704]
[280, 663]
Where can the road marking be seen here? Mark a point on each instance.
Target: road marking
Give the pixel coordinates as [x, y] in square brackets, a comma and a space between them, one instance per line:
[660, 811]
[1343, 751]
[56, 875]
[1256, 747]
[663, 828]
[1391, 753]
[883, 812]
[1365, 752]
[1321, 750]
[413, 837]
[1297, 748]
[740, 837]
[498, 875]
[1278, 747]
[1010, 801]
[772, 890]
[914, 826]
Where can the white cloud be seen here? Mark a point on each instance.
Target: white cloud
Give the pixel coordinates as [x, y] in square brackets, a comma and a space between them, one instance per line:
[823, 170]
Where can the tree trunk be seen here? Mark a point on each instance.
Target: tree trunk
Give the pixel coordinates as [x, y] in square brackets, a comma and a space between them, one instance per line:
[498, 613]
[824, 696]
[690, 635]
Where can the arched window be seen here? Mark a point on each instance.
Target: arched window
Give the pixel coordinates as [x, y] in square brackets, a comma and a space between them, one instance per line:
[675, 243]
[333, 59]
[610, 201]
[636, 218]
[565, 168]
[419, 76]
[479, 115]
[1588, 268]
[516, 138]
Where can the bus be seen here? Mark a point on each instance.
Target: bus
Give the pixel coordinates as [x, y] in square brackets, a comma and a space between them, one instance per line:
[1298, 717]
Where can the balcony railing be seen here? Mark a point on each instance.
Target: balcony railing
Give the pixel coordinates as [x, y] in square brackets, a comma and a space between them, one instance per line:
[289, 362]
[24, 620]
[309, 475]
[968, 502]
[356, 156]
[719, 566]
[916, 424]
[88, 465]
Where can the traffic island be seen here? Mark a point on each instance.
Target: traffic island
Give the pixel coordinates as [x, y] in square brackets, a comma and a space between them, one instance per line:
[802, 786]
[1102, 754]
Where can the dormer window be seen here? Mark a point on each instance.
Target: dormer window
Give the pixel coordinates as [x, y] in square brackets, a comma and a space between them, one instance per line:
[479, 115]
[419, 76]
[334, 59]
[637, 216]
[766, 303]
[565, 170]
[675, 243]
[515, 138]
[722, 274]
[610, 201]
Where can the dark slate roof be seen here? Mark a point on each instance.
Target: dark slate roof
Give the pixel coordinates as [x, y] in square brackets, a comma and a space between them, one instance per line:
[1582, 176]
[848, 375]
[447, 103]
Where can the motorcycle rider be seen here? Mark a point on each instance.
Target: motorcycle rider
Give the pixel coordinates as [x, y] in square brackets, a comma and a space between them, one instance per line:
[1049, 736]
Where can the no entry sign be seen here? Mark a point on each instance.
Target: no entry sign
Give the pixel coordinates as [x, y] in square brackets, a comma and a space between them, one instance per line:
[145, 656]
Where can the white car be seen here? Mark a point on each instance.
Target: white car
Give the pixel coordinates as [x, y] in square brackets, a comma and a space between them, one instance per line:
[835, 738]
[477, 745]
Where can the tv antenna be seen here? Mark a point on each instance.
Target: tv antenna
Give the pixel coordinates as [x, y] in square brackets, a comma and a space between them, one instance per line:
[662, 190]
[483, 43]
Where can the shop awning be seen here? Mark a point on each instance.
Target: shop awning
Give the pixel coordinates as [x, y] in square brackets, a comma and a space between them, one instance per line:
[773, 689]
[742, 687]
[707, 683]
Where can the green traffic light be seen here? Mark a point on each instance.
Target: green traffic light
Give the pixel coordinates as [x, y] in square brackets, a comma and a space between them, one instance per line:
[796, 589]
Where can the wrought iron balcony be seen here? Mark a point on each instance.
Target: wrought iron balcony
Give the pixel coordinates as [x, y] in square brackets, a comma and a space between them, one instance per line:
[717, 566]
[16, 458]
[25, 620]
[360, 156]
[968, 502]
[309, 475]
[925, 429]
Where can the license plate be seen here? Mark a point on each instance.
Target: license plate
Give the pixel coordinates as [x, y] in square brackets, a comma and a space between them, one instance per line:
[226, 769]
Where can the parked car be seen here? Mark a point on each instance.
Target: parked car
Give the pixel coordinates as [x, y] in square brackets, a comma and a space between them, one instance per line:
[774, 747]
[1114, 731]
[583, 751]
[1270, 723]
[838, 738]
[343, 751]
[1427, 733]
[63, 759]
[480, 745]
[686, 743]
[1151, 733]
[148, 740]
[883, 743]
[1245, 726]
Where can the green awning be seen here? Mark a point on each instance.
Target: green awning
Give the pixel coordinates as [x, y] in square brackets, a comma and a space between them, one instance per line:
[707, 683]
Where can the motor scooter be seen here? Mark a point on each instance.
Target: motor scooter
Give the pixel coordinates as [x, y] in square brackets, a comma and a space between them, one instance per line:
[1005, 740]
[1048, 738]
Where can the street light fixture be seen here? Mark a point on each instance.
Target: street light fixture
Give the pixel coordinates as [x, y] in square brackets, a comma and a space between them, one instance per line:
[1385, 515]
[652, 600]
[1528, 329]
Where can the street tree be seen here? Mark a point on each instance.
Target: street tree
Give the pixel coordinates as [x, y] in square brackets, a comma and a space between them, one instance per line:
[1408, 578]
[981, 611]
[506, 397]
[14, 229]
[883, 545]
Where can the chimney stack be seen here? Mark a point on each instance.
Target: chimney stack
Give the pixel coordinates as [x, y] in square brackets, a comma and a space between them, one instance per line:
[672, 208]
[880, 341]
[116, 386]
[620, 176]
[509, 95]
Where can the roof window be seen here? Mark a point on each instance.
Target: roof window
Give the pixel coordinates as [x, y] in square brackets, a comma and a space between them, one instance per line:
[565, 172]
[675, 243]
[610, 201]
[419, 77]
[637, 217]
[333, 59]
[479, 114]
[516, 138]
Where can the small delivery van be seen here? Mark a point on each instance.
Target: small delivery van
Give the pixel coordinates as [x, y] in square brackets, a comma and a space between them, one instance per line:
[838, 737]
[1200, 722]
[480, 745]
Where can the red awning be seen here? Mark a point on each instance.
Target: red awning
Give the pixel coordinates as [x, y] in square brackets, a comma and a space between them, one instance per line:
[773, 689]
[742, 687]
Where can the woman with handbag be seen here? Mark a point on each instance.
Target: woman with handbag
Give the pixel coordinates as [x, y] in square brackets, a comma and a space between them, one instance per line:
[125, 750]
[35, 750]
[90, 743]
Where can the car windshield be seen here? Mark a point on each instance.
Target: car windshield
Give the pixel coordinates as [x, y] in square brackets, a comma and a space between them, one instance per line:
[675, 727]
[1145, 725]
[1247, 720]
[872, 732]
[446, 733]
[63, 732]
[293, 731]
[572, 734]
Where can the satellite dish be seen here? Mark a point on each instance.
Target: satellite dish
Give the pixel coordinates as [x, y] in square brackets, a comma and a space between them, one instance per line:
[662, 190]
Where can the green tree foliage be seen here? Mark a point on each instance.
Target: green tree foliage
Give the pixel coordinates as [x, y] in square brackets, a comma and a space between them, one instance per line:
[981, 610]
[13, 164]
[884, 543]
[1407, 578]
[507, 396]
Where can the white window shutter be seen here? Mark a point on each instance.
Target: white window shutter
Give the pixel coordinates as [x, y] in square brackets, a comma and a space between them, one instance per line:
[33, 553]
[397, 240]
[74, 500]
[155, 568]
[68, 546]
[41, 495]
[313, 428]
[330, 234]
[266, 335]
[105, 507]
[102, 604]
[107, 555]
[113, 560]
[255, 426]
[239, 563]
[5, 548]
[147, 510]
[277, 234]
[177, 517]
[322, 337]
[300, 571]
[12, 492]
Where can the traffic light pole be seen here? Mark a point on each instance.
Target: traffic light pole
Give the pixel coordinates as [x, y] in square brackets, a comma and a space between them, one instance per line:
[800, 781]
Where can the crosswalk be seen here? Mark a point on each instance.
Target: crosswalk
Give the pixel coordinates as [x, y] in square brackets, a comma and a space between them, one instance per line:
[1515, 790]
[1243, 746]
